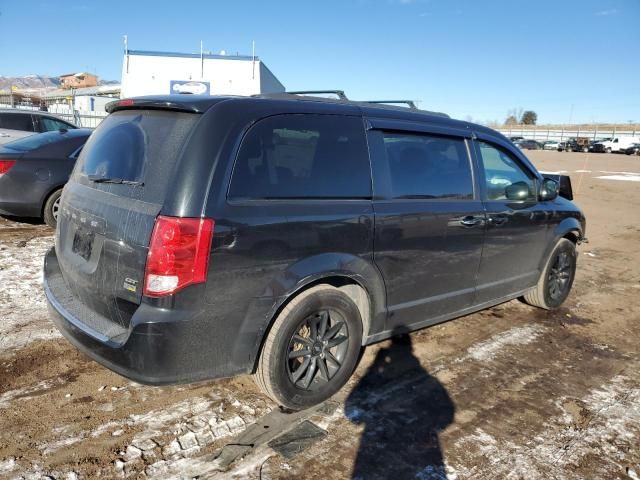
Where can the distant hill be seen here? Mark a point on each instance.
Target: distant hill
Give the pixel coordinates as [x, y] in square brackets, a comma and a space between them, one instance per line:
[38, 82]
[29, 82]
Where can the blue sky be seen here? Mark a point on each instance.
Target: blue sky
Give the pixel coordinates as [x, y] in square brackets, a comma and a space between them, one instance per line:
[466, 58]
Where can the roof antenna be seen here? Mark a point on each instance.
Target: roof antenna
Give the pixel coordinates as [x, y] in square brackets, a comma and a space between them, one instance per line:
[253, 59]
[201, 60]
[126, 50]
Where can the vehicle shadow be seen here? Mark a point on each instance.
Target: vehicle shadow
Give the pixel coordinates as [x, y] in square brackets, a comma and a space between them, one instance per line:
[403, 409]
[27, 220]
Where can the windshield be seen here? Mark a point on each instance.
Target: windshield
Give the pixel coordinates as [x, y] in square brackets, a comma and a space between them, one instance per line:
[33, 142]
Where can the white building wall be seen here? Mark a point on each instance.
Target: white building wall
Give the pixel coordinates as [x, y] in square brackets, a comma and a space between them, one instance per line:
[92, 103]
[153, 74]
[268, 81]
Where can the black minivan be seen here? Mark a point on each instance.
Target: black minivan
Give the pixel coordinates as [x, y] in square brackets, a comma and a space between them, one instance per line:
[203, 237]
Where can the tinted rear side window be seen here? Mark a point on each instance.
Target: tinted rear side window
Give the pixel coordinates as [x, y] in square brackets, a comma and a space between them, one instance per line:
[16, 121]
[135, 146]
[303, 156]
[426, 166]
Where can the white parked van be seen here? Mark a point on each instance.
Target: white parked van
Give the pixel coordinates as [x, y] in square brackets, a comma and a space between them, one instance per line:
[616, 144]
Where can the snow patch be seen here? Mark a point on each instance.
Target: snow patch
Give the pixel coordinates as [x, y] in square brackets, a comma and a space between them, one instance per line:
[22, 301]
[486, 350]
[26, 393]
[51, 447]
[7, 465]
[624, 178]
[437, 472]
[618, 173]
[612, 427]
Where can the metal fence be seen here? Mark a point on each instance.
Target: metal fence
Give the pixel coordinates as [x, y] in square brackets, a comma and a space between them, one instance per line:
[561, 134]
[79, 111]
[70, 108]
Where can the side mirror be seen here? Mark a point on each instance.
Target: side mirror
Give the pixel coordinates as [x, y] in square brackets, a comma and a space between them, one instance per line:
[517, 191]
[549, 189]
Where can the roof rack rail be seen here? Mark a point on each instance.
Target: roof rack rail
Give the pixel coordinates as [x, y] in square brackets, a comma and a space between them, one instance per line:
[410, 103]
[339, 93]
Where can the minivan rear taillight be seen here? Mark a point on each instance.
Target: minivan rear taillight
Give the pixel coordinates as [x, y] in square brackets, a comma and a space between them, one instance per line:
[5, 166]
[178, 254]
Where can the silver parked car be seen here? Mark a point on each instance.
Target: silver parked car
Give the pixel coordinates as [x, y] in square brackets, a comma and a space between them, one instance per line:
[16, 123]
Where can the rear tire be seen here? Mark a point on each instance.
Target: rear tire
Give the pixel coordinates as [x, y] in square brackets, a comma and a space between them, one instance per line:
[557, 277]
[51, 207]
[312, 348]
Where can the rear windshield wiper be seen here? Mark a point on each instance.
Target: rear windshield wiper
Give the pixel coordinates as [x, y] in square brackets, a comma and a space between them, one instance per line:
[99, 179]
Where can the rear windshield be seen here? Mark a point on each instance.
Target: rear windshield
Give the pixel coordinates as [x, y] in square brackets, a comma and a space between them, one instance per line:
[32, 142]
[132, 152]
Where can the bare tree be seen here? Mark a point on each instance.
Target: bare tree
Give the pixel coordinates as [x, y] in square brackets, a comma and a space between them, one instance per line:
[529, 117]
[511, 120]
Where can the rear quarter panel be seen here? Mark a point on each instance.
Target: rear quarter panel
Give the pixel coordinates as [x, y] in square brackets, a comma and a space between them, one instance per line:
[265, 251]
[29, 183]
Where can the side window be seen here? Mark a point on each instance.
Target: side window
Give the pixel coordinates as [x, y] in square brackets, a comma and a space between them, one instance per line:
[427, 166]
[16, 121]
[50, 124]
[303, 156]
[501, 171]
[76, 152]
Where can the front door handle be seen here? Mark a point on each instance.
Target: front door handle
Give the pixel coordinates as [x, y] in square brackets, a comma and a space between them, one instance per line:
[471, 221]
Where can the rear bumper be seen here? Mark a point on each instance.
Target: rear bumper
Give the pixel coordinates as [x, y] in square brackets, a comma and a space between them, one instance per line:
[20, 198]
[20, 209]
[163, 346]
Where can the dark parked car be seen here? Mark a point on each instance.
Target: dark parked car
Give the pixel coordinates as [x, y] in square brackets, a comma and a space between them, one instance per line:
[633, 149]
[527, 144]
[203, 237]
[33, 171]
[16, 123]
[579, 144]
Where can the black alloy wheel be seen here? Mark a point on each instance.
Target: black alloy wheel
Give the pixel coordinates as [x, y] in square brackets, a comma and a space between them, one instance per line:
[556, 280]
[560, 275]
[312, 348]
[317, 350]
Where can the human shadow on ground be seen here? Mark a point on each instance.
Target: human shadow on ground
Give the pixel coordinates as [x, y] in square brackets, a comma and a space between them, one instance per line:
[403, 409]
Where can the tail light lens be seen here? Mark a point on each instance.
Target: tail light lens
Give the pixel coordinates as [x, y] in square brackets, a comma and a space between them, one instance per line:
[5, 166]
[178, 254]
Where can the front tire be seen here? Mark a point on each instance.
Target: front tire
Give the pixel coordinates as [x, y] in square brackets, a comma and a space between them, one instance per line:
[51, 208]
[312, 348]
[557, 277]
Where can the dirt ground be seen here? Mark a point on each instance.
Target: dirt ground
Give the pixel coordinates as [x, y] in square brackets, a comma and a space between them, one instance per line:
[511, 392]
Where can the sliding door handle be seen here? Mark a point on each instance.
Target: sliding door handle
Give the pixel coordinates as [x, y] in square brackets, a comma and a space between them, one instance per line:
[471, 221]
